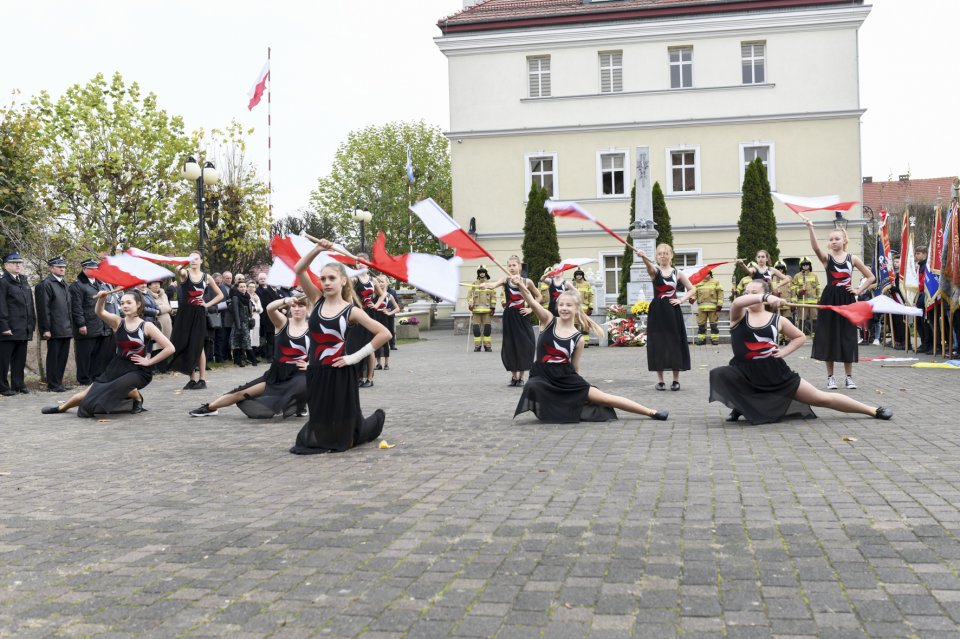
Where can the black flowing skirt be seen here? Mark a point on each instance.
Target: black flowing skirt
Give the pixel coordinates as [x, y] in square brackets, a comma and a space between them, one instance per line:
[667, 347]
[835, 337]
[335, 423]
[762, 391]
[188, 335]
[558, 395]
[358, 337]
[285, 393]
[519, 342]
[110, 392]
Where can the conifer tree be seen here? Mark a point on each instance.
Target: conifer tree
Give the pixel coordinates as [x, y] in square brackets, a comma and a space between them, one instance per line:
[661, 217]
[540, 246]
[757, 224]
[627, 261]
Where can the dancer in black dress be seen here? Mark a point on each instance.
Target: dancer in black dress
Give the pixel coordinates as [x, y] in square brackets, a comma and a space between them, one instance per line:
[667, 347]
[336, 423]
[117, 389]
[555, 391]
[519, 343]
[555, 284]
[835, 338]
[365, 298]
[190, 322]
[282, 390]
[761, 269]
[758, 384]
[386, 308]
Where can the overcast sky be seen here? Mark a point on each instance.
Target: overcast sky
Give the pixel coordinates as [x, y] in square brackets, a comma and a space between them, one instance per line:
[340, 66]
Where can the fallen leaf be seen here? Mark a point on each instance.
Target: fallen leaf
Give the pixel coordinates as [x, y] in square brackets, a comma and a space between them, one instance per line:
[879, 392]
[848, 438]
[568, 605]
[903, 389]
[104, 421]
[384, 444]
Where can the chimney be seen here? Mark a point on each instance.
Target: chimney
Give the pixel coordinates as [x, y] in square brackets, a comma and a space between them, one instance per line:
[905, 178]
[868, 179]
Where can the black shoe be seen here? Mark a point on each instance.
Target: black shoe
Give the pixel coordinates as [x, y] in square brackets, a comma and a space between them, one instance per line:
[392, 347]
[190, 385]
[513, 382]
[488, 349]
[8, 393]
[386, 367]
[378, 367]
[660, 415]
[50, 410]
[23, 391]
[200, 385]
[519, 382]
[883, 413]
[661, 386]
[675, 386]
[138, 407]
[203, 411]
[56, 389]
[476, 349]
[733, 416]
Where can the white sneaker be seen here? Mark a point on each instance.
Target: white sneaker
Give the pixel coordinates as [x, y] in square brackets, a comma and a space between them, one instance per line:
[876, 342]
[831, 383]
[849, 383]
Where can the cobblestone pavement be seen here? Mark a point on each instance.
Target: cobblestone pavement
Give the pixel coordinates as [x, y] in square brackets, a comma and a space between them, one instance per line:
[477, 525]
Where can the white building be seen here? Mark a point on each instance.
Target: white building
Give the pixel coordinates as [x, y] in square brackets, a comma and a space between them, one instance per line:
[563, 91]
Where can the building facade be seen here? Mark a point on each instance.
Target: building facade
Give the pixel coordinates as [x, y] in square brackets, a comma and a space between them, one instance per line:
[562, 92]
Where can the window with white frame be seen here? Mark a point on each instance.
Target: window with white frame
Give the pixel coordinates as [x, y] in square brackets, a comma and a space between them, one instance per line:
[611, 173]
[538, 76]
[542, 171]
[753, 62]
[683, 170]
[750, 151]
[681, 67]
[685, 258]
[611, 275]
[611, 71]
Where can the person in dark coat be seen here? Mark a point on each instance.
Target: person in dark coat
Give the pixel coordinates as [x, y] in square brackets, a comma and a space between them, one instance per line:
[222, 337]
[91, 336]
[55, 321]
[17, 321]
[266, 294]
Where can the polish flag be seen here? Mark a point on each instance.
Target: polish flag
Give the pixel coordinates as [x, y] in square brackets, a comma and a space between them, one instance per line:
[127, 271]
[154, 257]
[431, 273]
[799, 204]
[859, 313]
[566, 265]
[574, 210]
[700, 274]
[291, 248]
[259, 86]
[447, 230]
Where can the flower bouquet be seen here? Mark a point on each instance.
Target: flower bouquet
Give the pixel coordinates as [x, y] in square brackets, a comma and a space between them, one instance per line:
[409, 321]
[627, 331]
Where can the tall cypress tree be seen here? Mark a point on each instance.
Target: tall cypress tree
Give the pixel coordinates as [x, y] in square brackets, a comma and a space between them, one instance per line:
[661, 217]
[627, 262]
[757, 224]
[540, 246]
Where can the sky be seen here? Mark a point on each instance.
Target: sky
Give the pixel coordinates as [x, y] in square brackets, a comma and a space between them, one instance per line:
[341, 66]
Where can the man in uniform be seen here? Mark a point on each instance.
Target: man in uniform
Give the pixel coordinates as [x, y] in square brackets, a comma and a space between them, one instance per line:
[17, 321]
[92, 346]
[586, 302]
[805, 289]
[55, 321]
[709, 298]
[483, 301]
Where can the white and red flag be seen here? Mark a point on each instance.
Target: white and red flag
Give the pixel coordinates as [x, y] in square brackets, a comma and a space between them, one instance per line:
[566, 265]
[127, 271]
[574, 210]
[799, 204]
[698, 275]
[256, 92]
[889, 306]
[447, 230]
[155, 257]
[290, 249]
[431, 273]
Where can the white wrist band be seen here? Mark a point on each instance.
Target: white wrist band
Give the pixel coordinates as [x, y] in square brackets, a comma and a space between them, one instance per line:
[353, 358]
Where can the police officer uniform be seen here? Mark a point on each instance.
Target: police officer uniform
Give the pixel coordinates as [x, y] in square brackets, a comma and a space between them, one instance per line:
[805, 289]
[92, 338]
[55, 321]
[17, 321]
[586, 302]
[709, 297]
[482, 304]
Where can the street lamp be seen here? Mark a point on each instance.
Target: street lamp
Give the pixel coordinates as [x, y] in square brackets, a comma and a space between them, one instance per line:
[839, 222]
[207, 175]
[362, 216]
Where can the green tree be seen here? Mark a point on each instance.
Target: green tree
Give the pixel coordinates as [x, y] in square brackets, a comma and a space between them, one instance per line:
[661, 216]
[108, 170]
[369, 172]
[757, 224]
[540, 246]
[626, 262]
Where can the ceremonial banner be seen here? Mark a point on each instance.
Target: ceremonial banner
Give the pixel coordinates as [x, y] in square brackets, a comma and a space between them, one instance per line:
[567, 265]
[290, 249]
[880, 267]
[127, 271]
[574, 210]
[430, 273]
[934, 254]
[698, 275]
[799, 204]
[447, 230]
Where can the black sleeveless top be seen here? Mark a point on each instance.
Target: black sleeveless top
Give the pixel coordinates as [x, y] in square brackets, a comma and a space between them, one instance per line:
[512, 295]
[290, 349]
[364, 291]
[665, 287]
[555, 350]
[555, 290]
[130, 343]
[763, 275]
[751, 343]
[192, 292]
[839, 273]
[327, 335]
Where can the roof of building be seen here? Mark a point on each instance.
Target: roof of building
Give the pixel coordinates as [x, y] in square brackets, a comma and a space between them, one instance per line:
[519, 14]
[894, 194]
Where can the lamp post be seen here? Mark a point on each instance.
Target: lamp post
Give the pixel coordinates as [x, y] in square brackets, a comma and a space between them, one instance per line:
[363, 216]
[839, 222]
[207, 175]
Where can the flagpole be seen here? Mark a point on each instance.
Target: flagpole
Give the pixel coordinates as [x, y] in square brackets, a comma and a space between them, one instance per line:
[269, 141]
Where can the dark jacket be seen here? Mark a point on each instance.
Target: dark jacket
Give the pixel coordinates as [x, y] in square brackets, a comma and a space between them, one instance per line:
[83, 305]
[266, 294]
[16, 308]
[53, 307]
[151, 310]
[226, 314]
[240, 310]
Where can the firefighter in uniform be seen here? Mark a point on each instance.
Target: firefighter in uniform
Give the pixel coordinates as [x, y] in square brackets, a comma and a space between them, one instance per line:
[482, 304]
[805, 290]
[586, 302]
[709, 297]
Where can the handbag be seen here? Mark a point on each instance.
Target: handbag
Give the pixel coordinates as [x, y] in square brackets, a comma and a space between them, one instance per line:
[213, 320]
[251, 323]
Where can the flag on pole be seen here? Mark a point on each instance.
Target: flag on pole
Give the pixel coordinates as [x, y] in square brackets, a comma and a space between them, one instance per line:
[881, 267]
[934, 255]
[409, 167]
[256, 92]
[908, 263]
[799, 204]
[566, 265]
[127, 271]
[574, 210]
[698, 275]
[430, 273]
[889, 306]
[447, 230]
[160, 259]
[291, 248]
[859, 313]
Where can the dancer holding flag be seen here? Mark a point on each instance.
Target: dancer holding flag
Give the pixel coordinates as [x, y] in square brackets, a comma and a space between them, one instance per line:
[190, 323]
[519, 343]
[835, 338]
[336, 423]
[667, 347]
[130, 370]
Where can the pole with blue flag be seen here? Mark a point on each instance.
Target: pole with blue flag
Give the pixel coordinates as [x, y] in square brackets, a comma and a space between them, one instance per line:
[410, 181]
[881, 271]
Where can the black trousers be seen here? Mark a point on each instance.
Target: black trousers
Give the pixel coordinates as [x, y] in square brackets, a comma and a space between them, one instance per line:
[13, 359]
[222, 343]
[89, 356]
[58, 350]
[266, 340]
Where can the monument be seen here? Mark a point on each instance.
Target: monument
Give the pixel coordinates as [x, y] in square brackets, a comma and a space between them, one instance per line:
[643, 235]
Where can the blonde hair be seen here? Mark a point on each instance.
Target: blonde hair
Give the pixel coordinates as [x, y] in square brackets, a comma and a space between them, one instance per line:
[666, 246]
[843, 233]
[581, 317]
[765, 254]
[346, 290]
